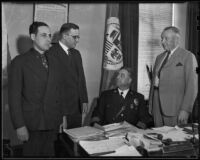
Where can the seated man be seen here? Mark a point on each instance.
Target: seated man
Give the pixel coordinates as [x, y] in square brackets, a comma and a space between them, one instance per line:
[122, 104]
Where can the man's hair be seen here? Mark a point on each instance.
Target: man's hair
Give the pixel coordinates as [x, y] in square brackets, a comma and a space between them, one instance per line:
[33, 29]
[129, 70]
[67, 26]
[173, 29]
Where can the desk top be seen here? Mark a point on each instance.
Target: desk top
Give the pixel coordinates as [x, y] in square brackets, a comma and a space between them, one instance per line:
[190, 151]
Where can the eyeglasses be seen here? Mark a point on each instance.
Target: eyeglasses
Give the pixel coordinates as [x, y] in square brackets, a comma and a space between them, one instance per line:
[75, 37]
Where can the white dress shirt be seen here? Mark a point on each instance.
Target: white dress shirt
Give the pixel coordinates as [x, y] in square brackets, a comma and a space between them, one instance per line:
[64, 47]
[124, 92]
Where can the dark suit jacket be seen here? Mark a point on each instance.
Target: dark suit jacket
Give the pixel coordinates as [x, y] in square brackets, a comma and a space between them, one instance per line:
[34, 93]
[111, 103]
[74, 90]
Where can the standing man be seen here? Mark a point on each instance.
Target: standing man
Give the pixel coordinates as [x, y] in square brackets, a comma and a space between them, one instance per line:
[174, 85]
[122, 104]
[35, 96]
[74, 93]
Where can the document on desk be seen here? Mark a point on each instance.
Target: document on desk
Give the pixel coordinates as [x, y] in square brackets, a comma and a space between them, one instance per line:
[116, 126]
[83, 132]
[177, 135]
[125, 150]
[102, 146]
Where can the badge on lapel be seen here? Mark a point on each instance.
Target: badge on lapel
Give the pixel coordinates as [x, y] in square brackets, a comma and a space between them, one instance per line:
[131, 106]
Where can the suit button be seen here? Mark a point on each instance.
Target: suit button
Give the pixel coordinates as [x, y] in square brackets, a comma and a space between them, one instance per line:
[122, 115]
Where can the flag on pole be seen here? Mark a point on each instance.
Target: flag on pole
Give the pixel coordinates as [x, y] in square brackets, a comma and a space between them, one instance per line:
[112, 56]
[4, 41]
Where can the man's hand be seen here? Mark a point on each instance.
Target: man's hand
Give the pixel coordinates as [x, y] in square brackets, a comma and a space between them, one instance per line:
[63, 125]
[183, 117]
[22, 133]
[84, 108]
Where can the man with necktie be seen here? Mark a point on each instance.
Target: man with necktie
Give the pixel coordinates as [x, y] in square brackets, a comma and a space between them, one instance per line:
[74, 91]
[174, 83]
[35, 95]
[122, 104]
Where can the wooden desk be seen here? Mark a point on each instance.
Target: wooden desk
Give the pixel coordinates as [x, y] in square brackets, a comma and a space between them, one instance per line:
[75, 150]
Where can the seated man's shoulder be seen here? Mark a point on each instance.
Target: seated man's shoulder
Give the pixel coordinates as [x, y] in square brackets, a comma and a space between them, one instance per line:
[136, 94]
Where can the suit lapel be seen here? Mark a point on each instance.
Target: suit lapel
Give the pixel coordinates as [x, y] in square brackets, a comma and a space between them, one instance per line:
[173, 58]
[159, 62]
[63, 57]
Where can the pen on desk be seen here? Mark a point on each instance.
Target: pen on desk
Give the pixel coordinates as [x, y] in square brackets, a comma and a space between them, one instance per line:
[126, 137]
[102, 153]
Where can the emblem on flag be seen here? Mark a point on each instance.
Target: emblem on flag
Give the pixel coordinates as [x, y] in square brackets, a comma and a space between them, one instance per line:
[113, 58]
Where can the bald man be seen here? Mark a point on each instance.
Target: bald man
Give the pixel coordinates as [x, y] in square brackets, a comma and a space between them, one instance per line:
[174, 84]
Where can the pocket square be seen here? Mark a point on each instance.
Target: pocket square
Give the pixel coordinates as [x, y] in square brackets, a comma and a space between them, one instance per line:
[179, 64]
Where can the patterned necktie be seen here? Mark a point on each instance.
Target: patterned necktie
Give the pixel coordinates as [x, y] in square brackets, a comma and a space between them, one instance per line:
[44, 61]
[69, 52]
[164, 62]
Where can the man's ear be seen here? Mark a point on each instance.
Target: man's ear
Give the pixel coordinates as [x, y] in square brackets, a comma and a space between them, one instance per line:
[33, 36]
[130, 80]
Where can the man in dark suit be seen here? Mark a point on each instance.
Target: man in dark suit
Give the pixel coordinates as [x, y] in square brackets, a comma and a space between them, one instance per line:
[174, 85]
[74, 93]
[35, 96]
[122, 104]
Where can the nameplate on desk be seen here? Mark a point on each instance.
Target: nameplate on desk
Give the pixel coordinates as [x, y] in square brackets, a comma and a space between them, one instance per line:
[177, 147]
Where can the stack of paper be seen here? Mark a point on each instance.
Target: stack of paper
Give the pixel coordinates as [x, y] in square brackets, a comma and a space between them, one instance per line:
[139, 139]
[83, 132]
[115, 126]
[117, 129]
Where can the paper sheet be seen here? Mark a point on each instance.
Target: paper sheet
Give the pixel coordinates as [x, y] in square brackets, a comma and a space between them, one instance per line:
[92, 147]
[177, 135]
[125, 150]
[164, 129]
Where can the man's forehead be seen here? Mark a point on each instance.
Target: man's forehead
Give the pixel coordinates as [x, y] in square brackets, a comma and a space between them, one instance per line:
[74, 31]
[167, 33]
[43, 29]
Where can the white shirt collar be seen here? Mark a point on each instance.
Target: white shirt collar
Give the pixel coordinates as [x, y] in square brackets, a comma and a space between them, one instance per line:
[124, 92]
[171, 52]
[64, 47]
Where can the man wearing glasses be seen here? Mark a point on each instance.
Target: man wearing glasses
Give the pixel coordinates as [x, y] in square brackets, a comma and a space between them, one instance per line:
[74, 92]
[34, 95]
